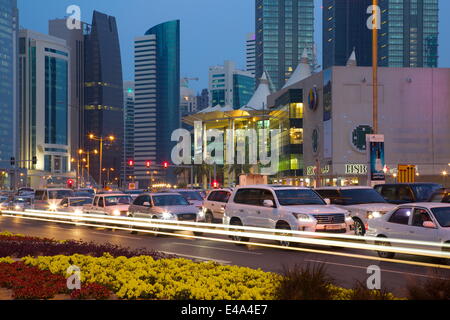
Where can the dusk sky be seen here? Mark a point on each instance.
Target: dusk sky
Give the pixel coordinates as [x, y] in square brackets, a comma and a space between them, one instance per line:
[211, 30]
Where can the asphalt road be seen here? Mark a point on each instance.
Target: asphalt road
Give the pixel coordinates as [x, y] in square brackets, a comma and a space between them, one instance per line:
[345, 270]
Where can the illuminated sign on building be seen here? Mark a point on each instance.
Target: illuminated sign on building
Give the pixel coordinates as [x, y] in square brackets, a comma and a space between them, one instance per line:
[356, 169]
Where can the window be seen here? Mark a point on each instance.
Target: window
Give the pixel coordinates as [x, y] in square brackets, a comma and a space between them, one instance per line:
[424, 191]
[419, 217]
[442, 215]
[401, 216]
[297, 197]
[405, 194]
[100, 202]
[249, 197]
[333, 195]
[39, 195]
[139, 201]
[437, 197]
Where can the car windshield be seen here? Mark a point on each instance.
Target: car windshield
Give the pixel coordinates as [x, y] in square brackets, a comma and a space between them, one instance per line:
[117, 200]
[191, 195]
[359, 196]
[169, 200]
[79, 202]
[443, 216]
[424, 191]
[59, 194]
[296, 197]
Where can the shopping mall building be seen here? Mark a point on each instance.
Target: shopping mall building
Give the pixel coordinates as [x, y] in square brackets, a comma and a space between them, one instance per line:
[324, 119]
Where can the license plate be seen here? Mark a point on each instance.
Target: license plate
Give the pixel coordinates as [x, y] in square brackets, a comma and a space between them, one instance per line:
[333, 227]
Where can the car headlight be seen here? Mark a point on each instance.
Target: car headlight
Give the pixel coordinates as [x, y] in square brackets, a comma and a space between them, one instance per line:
[116, 213]
[78, 211]
[17, 207]
[373, 214]
[303, 217]
[168, 216]
[53, 207]
[201, 214]
[348, 217]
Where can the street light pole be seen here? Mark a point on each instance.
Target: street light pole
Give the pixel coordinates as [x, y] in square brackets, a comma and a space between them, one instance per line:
[375, 66]
[101, 162]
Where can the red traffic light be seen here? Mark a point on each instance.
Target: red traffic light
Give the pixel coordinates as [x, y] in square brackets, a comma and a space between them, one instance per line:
[130, 163]
[165, 164]
[148, 164]
[215, 184]
[70, 183]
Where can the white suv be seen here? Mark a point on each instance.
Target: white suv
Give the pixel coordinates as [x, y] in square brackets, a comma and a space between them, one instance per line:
[214, 206]
[363, 203]
[285, 208]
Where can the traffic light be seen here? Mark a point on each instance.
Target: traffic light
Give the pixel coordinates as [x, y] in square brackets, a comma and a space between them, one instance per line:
[165, 164]
[13, 161]
[148, 164]
[70, 183]
[215, 184]
[131, 163]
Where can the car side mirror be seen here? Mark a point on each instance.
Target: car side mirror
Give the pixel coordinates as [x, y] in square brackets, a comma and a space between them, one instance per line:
[268, 203]
[147, 204]
[429, 225]
[327, 201]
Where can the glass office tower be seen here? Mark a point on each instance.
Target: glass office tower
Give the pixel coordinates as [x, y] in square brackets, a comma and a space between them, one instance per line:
[409, 33]
[157, 100]
[8, 81]
[284, 28]
[103, 104]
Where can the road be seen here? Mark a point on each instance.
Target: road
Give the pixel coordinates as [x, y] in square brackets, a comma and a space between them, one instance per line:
[345, 270]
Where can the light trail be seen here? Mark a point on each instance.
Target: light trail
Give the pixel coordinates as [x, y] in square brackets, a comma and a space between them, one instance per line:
[56, 217]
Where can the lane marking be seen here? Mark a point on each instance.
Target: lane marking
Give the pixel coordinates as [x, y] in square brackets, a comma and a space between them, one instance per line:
[382, 270]
[196, 257]
[216, 248]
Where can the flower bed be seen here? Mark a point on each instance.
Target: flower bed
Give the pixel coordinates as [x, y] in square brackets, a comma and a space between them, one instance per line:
[18, 246]
[29, 282]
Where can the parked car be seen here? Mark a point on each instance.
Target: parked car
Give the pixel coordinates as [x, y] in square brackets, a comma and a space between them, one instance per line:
[45, 199]
[441, 195]
[194, 197]
[213, 207]
[111, 204]
[285, 208]
[401, 193]
[165, 206]
[27, 192]
[74, 204]
[363, 203]
[417, 221]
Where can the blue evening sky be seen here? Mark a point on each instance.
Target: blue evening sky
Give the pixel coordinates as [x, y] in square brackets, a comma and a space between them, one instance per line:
[211, 30]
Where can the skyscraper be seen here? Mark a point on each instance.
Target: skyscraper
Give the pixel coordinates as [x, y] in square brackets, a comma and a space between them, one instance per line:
[344, 30]
[229, 86]
[103, 95]
[203, 100]
[75, 41]
[44, 108]
[251, 53]
[284, 28]
[157, 99]
[408, 35]
[8, 80]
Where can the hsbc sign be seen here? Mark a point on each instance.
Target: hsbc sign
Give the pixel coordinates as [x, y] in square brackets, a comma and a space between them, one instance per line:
[356, 169]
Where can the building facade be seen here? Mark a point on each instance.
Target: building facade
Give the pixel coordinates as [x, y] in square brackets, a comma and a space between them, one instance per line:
[9, 133]
[414, 112]
[157, 100]
[284, 28]
[128, 137]
[408, 36]
[75, 41]
[103, 94]
[229, 86]
[44, 108]
[251, 53]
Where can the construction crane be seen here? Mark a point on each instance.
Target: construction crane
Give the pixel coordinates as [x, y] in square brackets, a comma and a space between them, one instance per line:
[185, 81]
